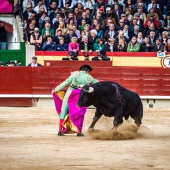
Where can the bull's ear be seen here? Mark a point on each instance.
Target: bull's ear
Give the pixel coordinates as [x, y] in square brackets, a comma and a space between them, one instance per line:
[91, 90]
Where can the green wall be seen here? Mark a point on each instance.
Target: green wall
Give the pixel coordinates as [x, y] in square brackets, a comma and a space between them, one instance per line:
[19, 54]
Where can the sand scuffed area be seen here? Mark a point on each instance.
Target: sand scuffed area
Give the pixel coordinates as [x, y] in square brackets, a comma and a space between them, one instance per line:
[28, 140]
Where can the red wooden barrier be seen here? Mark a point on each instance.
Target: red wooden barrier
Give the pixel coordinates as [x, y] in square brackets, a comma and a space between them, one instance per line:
[123, 54]
[41, 80]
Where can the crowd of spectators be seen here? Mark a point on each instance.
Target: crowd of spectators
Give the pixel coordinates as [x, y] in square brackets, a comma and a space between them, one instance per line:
[97, 25]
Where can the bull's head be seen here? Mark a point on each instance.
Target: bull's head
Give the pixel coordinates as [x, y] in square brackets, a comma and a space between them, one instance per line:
[85, 96]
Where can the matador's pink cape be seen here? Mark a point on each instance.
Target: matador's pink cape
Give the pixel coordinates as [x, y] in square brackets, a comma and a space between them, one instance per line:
[75, 114]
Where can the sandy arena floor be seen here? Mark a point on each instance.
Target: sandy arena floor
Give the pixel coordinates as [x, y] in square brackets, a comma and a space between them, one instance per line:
[28, 140]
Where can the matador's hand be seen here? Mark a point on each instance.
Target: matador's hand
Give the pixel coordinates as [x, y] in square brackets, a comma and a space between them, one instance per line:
[53, 91]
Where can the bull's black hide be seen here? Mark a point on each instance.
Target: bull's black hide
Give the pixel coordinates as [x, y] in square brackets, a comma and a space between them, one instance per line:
[111, 99]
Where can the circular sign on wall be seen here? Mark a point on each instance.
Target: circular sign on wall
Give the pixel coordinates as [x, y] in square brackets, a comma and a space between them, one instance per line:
[165, 62]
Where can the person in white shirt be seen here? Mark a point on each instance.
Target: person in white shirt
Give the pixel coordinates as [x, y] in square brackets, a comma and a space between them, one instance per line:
[37, 8]
[150, 5]
[89, 4]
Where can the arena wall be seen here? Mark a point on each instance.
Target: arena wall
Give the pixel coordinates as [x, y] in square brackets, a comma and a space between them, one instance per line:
[34, 84]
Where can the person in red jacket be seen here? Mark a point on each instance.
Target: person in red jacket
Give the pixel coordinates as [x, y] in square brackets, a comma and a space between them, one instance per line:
[154, 21]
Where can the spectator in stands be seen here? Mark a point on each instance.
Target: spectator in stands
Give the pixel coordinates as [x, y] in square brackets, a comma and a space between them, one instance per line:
[117, 11]
[56, 18]
[127, 33]
[64, 13]
[27, 2]
[110, 46]
[27, 13]
[49, 45]
[87, 30]
[68, 9]
[46, 34]
[37, 8]
[152, 11]
[61, 46]
[52, 10]
[134, 23]
[129, 5]
[28, 31]
[58, 36]
[84, 16]
[70, 24]
[140, 39]
[151, 18]
[92, 37]
[83, 23]
[70, 15]
[129, 16]
[139, 21]
[152, 37]
[94, 23]
[167, 46]
[108, 20]
[142, 15]
[158, 47]
[151, 5]
[124, 18]
[41, 20]
[81, 37]
[153, 28]
[34, 62]
[101, 56]
[166, 23]
[36, 39]
[120, 36]
[99, 19]
[76, 13]
[158, 11]
[89, 4]
[62, 28]
[121, 25]
[111, 33]
[99, 45]
[86, 46]
[47, 27]
[133, 45]
[53, 14]
[3, 37]
[121, 46]
[73, 47]
[76, 31]
[47, 20]
[96, 6]
[135, 31]
[140, 3]
[99, 31]
[70, 35]
[164, 37]
[146, 46]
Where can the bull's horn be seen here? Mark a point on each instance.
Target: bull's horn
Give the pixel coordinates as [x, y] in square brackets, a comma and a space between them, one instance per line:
[90, 90]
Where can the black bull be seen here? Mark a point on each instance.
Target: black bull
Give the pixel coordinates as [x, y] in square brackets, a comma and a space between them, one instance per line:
[111, 99]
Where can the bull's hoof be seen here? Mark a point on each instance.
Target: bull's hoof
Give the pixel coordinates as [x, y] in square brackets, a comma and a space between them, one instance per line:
[80, 134]
[90, 130]
[60, 134]
[138, 124]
